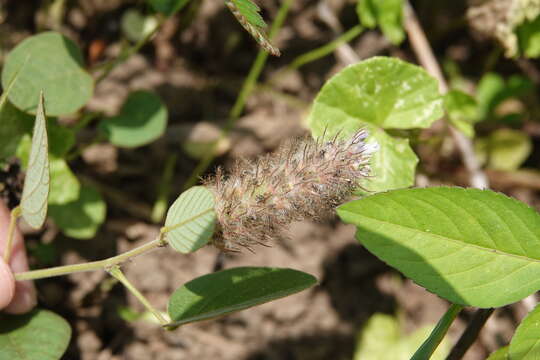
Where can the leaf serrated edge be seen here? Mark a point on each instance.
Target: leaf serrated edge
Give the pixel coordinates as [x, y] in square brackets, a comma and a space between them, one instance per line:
[253, 30]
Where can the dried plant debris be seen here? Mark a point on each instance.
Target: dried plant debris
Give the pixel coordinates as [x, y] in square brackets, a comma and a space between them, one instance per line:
[501, 18]
[304, 179]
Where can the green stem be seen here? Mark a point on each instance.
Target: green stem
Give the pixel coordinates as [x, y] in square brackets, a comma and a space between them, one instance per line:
[90, 266]
[326, 49]
[127, 53]
[119, 275]
[15, 213]
[160, 206]
[429, 346]
[247, 88]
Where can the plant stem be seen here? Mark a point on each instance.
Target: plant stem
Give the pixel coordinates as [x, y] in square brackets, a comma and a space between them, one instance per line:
[470, 334]
[90, 266]
[15, 213]
[429, 346]
[326, 49]
[160, 206]
[126, 54]
[424, 53]
[119, 275]
[247, 88]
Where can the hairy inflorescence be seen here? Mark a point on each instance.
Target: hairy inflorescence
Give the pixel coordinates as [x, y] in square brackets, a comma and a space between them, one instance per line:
[303, 179]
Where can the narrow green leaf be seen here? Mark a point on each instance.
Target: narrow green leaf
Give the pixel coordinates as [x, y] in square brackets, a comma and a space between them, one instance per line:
[36, 185]
[56, 68]
[232, 290]
[525, 344]
[472, 247]
[190, 220]
[81, 217]
[142, 119]
[385, 92]
[12, 129]
[38, 335]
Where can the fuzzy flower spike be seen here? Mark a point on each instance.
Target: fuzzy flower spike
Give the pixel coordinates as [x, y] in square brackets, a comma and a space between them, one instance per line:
[304, 179]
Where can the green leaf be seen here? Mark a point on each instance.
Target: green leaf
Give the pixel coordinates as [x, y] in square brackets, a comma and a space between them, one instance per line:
[232, 290]
[65, 186]
[190, 220]
[528, 35]
[469, 246]
[524, 344]
[247, 14]
[38, 335]
[12, 129]
[142, 119]
[504, 149]
[382, 339]
[36, 184]
[393, 165]
[388, 14]
[55, 66]
[82, 217]
[168, 7]
[385, 92]
[136, 26]
[501, 354]
[462, 111]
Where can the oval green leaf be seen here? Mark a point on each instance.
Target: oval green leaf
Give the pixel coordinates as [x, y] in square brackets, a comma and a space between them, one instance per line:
[143, 119]
[472, 247]
[232, 290]
[82, 217]
[36, 184]
[525, 344]
[38, 335]
[393, 165]
[190, 220]
[385, 92]
[55, 66]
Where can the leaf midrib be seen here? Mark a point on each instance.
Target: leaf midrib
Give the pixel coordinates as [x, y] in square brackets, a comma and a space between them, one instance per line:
[456, 241]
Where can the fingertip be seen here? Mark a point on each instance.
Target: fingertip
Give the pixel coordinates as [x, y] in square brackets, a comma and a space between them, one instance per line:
[24, 298]
[7, 285]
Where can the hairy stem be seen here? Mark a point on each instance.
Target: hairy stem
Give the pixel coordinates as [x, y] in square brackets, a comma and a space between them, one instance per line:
[429, 346]
[15, 213]
[90, 266]
[247, 88]
[119, 275]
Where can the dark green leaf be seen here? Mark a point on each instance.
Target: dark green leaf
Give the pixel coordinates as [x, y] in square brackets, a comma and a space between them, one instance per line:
[231, 290]
[168, 7]
[472, 247]
[143, 119]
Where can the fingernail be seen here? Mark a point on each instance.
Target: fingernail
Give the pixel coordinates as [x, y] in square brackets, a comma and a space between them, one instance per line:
[7, 284]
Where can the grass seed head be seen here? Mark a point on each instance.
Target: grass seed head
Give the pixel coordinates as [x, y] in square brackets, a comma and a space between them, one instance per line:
[303, 179]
